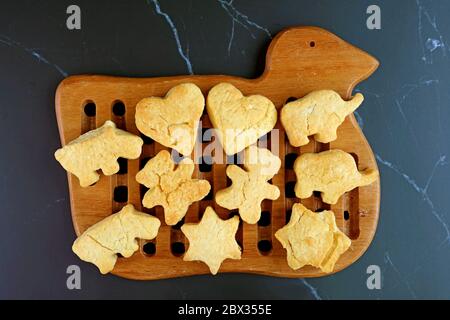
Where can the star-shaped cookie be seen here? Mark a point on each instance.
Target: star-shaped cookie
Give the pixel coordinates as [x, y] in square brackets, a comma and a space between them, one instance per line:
[212, 240]
[312, 238]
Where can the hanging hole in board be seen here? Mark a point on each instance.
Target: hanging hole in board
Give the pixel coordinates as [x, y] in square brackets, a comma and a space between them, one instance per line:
[90, 109]
[118, 108]
[312, 44]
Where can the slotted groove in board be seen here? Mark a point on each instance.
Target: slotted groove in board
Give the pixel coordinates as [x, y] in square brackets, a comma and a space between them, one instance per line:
[278, 209]
[88, 113]
[363, 213]
[119, 182]
[265, 231]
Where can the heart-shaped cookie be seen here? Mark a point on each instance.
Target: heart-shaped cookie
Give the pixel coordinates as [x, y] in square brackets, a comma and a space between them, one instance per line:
[173, 120]
[239, 120]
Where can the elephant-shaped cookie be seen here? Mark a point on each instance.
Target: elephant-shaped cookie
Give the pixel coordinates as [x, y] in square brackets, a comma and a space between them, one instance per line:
[319, 113]
[331, 172]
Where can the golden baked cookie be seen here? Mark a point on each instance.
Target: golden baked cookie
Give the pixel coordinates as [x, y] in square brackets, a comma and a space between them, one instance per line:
[331, 172]
[212, 240]
[98, 149]
[249, 188]
[173, 120]
[115, 234]
[312, 238]
[174, 189]
[239, 120]
[319, 113]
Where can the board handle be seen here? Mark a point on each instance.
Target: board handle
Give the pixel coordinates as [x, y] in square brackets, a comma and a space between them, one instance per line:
[310, 58]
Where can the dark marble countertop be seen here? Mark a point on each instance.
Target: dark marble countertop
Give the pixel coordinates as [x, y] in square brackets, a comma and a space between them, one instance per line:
[405, 118]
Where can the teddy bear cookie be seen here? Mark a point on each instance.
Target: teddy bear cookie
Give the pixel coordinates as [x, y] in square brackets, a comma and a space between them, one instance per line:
[319, 113]
[239, 120]
[170, 187]
[331, 172]
[115, 234]
[173, 120]
[312, 238]
[212, 240]
[250, 186]
[98, 149]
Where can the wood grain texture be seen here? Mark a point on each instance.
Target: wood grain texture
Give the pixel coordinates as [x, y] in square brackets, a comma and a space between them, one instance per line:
[299, 60]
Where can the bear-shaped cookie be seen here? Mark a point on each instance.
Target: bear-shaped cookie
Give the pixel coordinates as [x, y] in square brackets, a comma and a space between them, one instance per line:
[250, 187]
[319, 113]
[331, 172]
[98, 149]
[239, 120]
[173, 120]
[171, 188]
[115, 234]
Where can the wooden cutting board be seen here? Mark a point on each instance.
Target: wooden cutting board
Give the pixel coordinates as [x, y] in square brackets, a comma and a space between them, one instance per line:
[299, 60]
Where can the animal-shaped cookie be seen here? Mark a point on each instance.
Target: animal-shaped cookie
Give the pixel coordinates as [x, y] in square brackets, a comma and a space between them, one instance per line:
[98, 149]
[249, 188]
[319, 113]
[115, 234]
[239, 120]
[173, 120]
[332, 172]
[212, 240]
[312, 238]
[174, 189]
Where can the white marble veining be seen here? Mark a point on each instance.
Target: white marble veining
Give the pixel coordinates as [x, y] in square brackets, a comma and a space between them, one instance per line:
[359, 119]
[184, 53]
[423, 191]
[34, 53]
[401, 278]
[312, 290]
[431, 43]
[241, 19]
